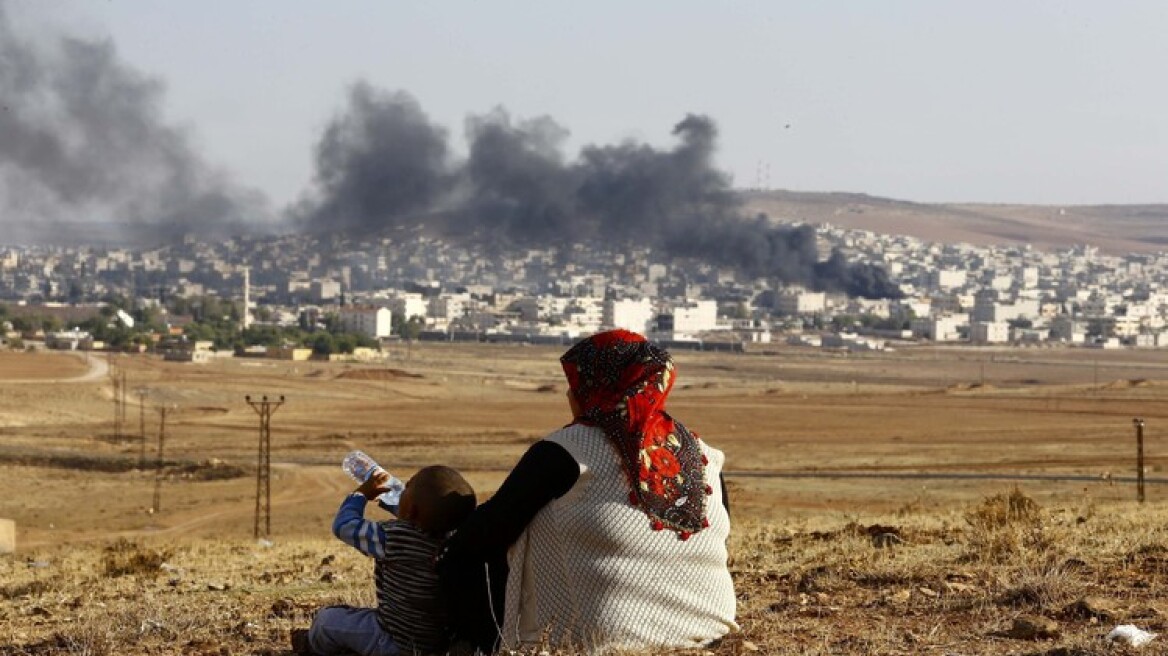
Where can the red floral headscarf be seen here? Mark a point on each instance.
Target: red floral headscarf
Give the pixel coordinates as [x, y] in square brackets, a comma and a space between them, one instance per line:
[620, 381]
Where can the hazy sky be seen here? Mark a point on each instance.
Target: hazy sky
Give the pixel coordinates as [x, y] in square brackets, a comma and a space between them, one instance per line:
[1000, 101]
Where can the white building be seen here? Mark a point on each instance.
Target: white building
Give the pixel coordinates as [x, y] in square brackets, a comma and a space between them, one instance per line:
[692, 317]
[989, 332]
[801, 302]
[373, 322]
[69, 340]
[408, 304]
[449, 306]
[325, 290]
[629, 314]
[1068, 330]
[1029, 277]
[940, 329]
[947, 279]
[585, 312]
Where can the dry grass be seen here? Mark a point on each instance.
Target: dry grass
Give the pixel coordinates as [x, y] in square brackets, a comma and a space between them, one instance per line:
[41, 366]
[823, 565]
[836, 591]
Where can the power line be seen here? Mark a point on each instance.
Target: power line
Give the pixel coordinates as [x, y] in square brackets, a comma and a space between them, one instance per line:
[115, 380]
[141, 429]
[157, 505]
[1139, 424]
[122, 401]
[264, 408]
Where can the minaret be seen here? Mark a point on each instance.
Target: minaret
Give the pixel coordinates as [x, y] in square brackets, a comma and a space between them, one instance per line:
[246, 297]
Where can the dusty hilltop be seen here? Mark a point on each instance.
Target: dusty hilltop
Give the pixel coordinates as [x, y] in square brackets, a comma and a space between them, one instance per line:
[931, 501]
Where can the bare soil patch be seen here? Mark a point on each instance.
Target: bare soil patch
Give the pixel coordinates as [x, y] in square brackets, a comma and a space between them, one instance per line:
[377, 374]
[40, 365]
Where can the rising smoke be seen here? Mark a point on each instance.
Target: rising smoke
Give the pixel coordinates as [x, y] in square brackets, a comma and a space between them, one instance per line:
[382, 160]
[383, 164]
[82, 138]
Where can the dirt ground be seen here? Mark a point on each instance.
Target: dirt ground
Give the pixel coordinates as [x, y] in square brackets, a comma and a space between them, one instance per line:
[20, 365]
[811, 437]
[873, 496]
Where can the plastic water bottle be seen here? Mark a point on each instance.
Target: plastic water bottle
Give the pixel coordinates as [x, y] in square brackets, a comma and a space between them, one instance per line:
[360, 467]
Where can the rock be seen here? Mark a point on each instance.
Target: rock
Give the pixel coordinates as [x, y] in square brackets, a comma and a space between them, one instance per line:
[749, 646]
[928, 592]
[328, 577]
[901, 597]
[1033, 627]
[328, 560]
[218, 587]
[960, 588]
[283, 607]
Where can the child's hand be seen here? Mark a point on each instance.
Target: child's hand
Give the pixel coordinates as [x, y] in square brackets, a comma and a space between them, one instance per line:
[375, 485]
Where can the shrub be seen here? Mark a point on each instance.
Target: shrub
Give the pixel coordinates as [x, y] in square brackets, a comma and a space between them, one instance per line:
[124, 557]
[1004, 526]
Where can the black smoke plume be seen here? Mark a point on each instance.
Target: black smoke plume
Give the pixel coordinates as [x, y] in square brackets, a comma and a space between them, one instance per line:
[82, 139]
[383, 164]
[380, 162]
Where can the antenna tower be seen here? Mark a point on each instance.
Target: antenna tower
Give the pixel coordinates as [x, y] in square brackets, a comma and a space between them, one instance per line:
[264, 408]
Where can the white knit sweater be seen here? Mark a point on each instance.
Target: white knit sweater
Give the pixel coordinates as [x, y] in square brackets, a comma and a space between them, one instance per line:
[590, 572]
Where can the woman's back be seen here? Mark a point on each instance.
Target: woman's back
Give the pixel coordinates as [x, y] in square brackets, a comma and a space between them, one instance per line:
[590, 570]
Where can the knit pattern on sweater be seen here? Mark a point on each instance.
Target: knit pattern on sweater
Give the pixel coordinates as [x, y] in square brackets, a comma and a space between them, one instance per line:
[589, 572]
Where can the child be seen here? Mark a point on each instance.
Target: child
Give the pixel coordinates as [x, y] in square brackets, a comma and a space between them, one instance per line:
[410, 616]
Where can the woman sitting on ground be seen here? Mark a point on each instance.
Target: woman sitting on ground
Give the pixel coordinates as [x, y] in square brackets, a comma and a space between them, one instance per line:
[614, 527]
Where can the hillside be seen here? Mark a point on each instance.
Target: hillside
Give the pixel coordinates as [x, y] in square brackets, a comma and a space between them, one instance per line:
[1115, 229]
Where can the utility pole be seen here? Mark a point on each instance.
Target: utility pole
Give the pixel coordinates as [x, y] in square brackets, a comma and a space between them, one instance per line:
[264, 408]
[157, 505]
[122, 401]
[1139, 424]
[115, 380]
[141, 428]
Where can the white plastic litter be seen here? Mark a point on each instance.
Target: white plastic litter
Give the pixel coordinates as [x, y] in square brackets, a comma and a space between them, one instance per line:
[1130, 634]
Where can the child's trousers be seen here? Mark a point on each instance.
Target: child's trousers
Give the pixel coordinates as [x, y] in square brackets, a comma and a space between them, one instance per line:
[342, 630]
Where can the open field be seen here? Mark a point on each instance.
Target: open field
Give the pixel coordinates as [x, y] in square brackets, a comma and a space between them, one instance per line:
[914, 439]
[19, 365]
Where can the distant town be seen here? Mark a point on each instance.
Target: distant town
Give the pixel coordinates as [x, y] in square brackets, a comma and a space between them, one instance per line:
[297, 297]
